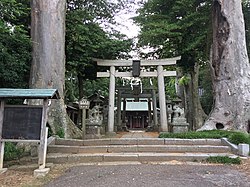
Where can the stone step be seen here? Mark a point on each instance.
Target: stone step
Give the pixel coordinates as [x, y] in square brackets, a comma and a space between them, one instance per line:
[58, 158]
[138, 148]
[137, 141]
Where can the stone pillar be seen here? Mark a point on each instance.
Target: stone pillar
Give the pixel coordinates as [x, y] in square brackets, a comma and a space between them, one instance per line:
[83, 123]
[111, 100]
[124, 110]
[154, 108]
[119, 100]
[149, 112]
[1, 130]
[162, 100]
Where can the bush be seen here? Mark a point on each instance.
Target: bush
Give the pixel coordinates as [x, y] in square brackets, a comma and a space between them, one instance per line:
[11, 152]
[223, 160]
[239, 137]
[233, 136]
[197, 135]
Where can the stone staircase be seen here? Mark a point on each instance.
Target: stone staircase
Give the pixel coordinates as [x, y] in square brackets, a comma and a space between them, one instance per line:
[142, 150]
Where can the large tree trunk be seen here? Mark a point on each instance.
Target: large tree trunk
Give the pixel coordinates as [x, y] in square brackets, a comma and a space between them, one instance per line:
[80, 85]
[48, 59]
[231, 70]
[189, 95]
[198, 113]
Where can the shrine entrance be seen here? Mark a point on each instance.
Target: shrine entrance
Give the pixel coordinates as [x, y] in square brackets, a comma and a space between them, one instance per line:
[137, 120]
[130, 119]
[136, 109]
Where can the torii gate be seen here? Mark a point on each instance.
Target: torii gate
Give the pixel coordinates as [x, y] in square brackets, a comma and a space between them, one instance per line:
[160, 74]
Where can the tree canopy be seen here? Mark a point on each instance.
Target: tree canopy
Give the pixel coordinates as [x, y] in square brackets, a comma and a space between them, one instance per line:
[176, 27]
[15, 45]
[183, 27]
[89, 35]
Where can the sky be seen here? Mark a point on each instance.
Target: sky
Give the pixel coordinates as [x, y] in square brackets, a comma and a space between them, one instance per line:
[127, 26]
[124, 18]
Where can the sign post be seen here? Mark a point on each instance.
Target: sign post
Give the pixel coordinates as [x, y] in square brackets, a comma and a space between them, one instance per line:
[84, 105]
[25, 123]
[43, 137]
[1, 128]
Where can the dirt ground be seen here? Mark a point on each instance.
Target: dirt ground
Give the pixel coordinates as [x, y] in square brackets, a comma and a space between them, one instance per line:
[16, 177]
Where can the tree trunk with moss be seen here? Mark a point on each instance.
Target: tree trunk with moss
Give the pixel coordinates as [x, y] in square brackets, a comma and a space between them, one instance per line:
[198, 113]
[48, 60]
[230, 69]
[189, 95]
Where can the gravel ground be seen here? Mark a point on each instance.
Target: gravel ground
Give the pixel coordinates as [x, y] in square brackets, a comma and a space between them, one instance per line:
[152, 175]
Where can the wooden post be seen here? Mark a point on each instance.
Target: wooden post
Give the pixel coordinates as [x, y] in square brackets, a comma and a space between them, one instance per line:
[45, 149]
[162, 99]
[111, 100]
[1, 130]
[83, 123]
[43, 137]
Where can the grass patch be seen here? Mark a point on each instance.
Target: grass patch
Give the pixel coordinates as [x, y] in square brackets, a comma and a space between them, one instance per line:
[223, 160]
[233, 136]
[239, 137]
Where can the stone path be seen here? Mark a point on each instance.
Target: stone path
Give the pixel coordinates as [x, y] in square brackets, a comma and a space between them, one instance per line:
[139, 134]
[130, 173]
[151, 175]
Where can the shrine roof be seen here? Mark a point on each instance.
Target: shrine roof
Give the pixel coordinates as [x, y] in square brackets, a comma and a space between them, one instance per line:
[10, 93]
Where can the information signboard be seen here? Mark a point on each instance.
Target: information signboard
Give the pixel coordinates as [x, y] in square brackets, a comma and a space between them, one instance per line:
[22, 122]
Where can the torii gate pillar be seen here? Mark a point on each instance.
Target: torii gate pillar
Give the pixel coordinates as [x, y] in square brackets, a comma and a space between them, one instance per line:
[111, 114]
[162, 100]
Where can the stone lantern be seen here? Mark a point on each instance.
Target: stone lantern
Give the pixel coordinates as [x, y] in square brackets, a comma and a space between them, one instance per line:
[169, 110]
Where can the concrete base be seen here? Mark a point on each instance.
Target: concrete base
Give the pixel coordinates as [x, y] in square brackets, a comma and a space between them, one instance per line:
[179, 128]
[3, 170]
[110, 134]
[163, 132]
[243, 150]
[39, 173]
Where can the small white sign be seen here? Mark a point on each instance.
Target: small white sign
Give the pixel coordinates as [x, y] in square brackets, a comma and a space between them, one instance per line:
[84, 104]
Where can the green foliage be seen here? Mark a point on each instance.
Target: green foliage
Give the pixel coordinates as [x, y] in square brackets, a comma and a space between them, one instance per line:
[223, 160]
[196, 135]
[87, 38]
[60, 132]
[176, 27]
[239, 137]
[11, 152]
[50, 132]
[15, 44]
[184, 80]
[101, 85]
[170, 87]
[205, 83]
[233, 136]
